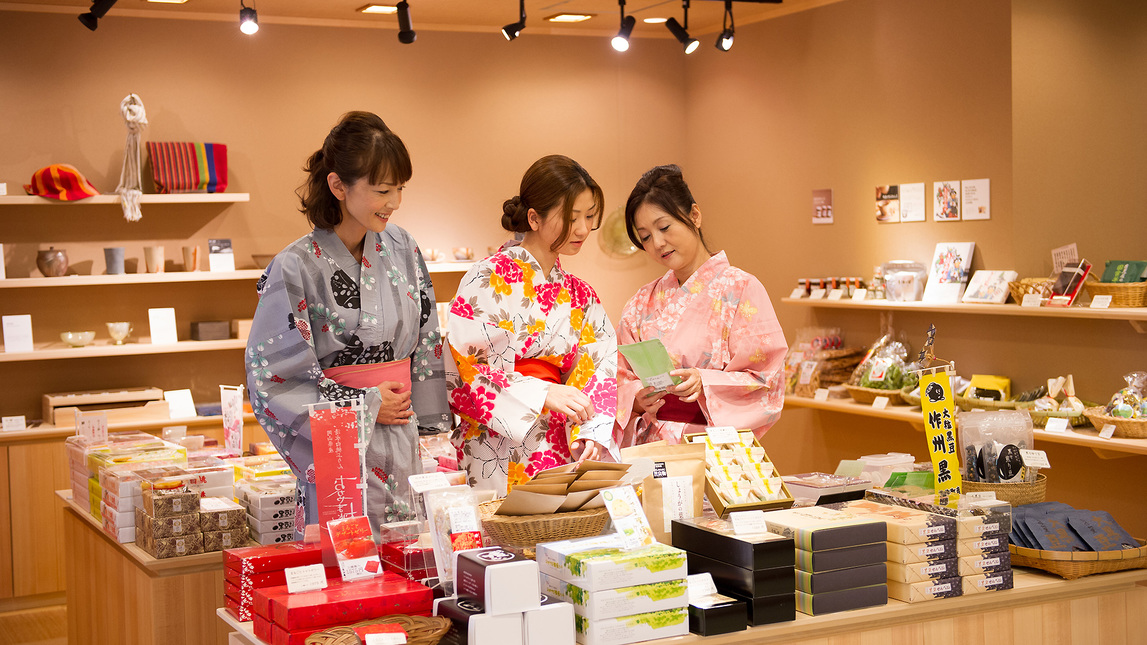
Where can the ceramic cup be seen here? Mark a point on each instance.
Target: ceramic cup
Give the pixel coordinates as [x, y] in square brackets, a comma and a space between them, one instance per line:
[431, 255]
[191, 258]
[119, 331]
[153, 257]
[113, 257]
[463, 253]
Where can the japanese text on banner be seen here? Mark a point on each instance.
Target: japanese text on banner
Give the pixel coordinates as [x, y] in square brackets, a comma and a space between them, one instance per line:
[940, 425]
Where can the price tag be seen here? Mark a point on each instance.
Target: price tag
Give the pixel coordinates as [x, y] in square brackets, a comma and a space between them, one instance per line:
[860, 294]
[836, 294]
[309, 578]
[748, 522]
[18, 423]
[1035, 458]
[659, 382]
[797, 293]
[980, 496]
[879, 403]
[719, 435]
[93, 427]
[1031, 300]
[1057, 425]
[816, 294]
[423, 482]
[385, 638]
[1108, 431]
[821, 394]
[701, 585]
[1101, 302]
[463, 520]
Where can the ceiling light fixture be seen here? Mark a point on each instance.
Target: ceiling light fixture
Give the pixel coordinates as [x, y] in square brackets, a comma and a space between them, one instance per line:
[248, 19]
[386, 9]
[92, 17]
[620, 42]
[513, 30]
[682, 32]
[655, 21]
[168, 1]
[569, 17]
[406, 34]
[725, 40]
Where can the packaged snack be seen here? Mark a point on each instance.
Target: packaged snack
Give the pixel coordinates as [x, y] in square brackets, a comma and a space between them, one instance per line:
[218, 514]
[219, 540]
[454, 526]
[167, 526]
[164, 503]
[676, 489]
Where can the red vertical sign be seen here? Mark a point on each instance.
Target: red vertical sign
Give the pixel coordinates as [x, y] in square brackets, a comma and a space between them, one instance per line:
[337, 469]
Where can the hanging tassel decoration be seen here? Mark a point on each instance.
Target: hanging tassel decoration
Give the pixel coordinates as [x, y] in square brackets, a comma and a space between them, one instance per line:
[130, 187]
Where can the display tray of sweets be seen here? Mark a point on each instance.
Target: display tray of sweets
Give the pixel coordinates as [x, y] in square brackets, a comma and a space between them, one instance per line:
[842, 558]
[822, 488]
[905, 525]
[623, 601]
[632, 629]
[342, 603]
[714, 538]
[264, 495]
[989, 563]
[982, 582]
[604, 563]
[972, 517]
[911, 592]
[165, 527]
[739, 476]
[751, 582]
[838, 579]
[1074, 564]
[124, 480]
[816, 528]
[261, 559]
[170, 453]
[923, 571]
[843, 600]
[767, 610]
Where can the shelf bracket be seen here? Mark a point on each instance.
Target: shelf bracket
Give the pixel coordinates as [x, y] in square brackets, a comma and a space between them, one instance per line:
[1103, 453]
[1137, 325]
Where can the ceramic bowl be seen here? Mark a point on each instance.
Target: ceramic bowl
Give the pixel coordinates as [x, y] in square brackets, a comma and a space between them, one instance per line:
[262, 261]
[78, 338]
[463, 253]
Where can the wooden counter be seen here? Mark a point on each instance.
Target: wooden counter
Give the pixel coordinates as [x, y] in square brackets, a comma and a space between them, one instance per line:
[117, 593]
[1109, 608]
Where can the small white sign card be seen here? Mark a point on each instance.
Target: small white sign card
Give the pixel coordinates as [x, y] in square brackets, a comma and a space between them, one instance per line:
[821, 394]
[976, 199]
[700, 585]
[836, 294]
[92, 426]
[18, 423]
[860, 294]
[1107, 432]
[231, 400]
[816, 294]
[1057, 425]
[799, 292]
[880, 402]
[220, 256]
[1035, 458]
[162, 323]
[181, 404]
[385, 638]
[18, 333]
[913, 203]
[308, 578]
[946, 205]
[423, 482]
[1101, 302]
[1031, 300]
[748, 522]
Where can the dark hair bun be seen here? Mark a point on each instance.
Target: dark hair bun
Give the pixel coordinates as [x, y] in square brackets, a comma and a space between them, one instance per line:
[515, 215]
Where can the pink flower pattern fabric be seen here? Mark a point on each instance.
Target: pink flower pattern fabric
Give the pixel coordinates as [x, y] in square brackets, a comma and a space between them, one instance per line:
[720, 321]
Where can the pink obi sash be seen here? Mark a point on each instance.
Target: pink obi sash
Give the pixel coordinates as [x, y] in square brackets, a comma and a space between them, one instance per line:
[674, 409]
[371, 374]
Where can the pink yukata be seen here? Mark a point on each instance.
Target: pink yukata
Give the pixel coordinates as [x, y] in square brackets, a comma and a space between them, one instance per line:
[720, 321]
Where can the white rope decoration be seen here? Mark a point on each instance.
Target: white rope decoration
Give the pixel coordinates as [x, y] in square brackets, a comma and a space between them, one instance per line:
[130, 187]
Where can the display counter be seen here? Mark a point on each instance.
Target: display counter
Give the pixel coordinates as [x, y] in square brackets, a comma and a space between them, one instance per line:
[117, 593]
[1042, 608]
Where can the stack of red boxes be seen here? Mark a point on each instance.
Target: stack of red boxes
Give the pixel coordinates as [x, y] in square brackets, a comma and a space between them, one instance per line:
[257, 567]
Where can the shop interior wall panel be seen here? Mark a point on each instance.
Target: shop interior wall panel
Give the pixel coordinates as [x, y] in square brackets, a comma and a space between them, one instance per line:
[5, 527]
[36, 470]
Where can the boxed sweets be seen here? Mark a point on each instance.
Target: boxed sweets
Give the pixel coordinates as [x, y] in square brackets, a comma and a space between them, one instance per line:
[261, 559]
[241, 613]
[912, 592]
[714, 538]
[767, 610]
[822, 488]
[270, 526]
[220, 514]
[997, 543]
[928, 552]
[603, 563]
[973, 517]
[816, 528]
[838, 579]
[979, 583]
[715, 613]
[990, 563]
[501, 581]
[219, 540]
[923, 571]
[472, 626]
[842, 558]
[164, 503]
[170, 547]
[275, 537]
[271, 633]
[843, 600]
[750, 582]
[633, 629]
[904, 525]
[622, 601]
[552, 623]
[342, 603]
[739, 475]
[165, 527]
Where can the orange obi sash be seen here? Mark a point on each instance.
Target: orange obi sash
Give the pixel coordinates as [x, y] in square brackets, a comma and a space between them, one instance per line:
[673, 409]
[371, 374]
[538, 368]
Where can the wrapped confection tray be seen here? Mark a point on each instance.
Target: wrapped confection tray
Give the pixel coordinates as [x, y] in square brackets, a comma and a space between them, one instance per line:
[1014, 493]
[1124, 428]
[1123, 294]
[1075, 564]
[527, 530]
[1040, 417]
[420, 630]
[967, 404]
[906, 394]
[869, 394]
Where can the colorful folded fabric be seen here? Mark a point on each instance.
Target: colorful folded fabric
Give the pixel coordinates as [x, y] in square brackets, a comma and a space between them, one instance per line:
[181, 167]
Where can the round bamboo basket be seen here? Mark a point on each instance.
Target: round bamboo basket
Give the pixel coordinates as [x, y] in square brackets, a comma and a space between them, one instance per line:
[1075, 564]
[1014, 493]
[528, 530]
[869, 394]
[908, 397]
[1124, 428]
[1024, 286]
[1040, 417]
[420, 630]
[1123, 294]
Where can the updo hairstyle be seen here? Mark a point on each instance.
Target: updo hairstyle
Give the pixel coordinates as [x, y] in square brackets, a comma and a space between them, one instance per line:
[552, 181]
[665, 188]
[359, 146]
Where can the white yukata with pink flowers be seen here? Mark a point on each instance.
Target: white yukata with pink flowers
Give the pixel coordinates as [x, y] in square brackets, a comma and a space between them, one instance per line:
[507, 310]
[721, 322]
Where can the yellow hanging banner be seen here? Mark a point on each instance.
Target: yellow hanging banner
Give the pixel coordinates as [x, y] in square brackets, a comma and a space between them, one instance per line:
[940, 425]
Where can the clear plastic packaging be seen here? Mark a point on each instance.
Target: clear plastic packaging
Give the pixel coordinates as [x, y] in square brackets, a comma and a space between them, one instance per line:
[990, 445]
[454, 526]
[904, 280]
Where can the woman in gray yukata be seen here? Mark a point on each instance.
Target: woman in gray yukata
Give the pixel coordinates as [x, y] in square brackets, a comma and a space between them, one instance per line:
[352, 296]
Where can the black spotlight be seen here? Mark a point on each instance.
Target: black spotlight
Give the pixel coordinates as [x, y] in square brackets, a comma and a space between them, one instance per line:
[682, 35]
[248, 19]
[725, 40]
[406, 34]
[513, 30]
[620, 42]
[92, 17]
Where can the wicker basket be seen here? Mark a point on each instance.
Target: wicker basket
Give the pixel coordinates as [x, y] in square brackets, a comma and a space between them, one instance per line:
[1074, 564]
[420, 630]
[1024, 286]
[1125, 428]
[968, 404]
[1123, 294]
[1014, 493]
[908, 397]
[528, 530]
[869, 394]
[1040, 417]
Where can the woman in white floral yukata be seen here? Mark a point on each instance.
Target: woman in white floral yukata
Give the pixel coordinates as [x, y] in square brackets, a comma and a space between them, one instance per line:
[347, 310]
[715, 320]
[534, 355]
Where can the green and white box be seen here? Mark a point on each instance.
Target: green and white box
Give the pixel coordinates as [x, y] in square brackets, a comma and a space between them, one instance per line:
[632, 629]
[623, 601]
[602, 563]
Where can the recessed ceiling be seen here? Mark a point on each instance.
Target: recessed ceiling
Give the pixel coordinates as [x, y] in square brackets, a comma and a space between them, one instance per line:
[449, 15]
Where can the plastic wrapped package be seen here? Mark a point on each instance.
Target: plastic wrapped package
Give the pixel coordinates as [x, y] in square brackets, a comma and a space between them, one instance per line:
[454, 526]
[904, 280]
[990, 445]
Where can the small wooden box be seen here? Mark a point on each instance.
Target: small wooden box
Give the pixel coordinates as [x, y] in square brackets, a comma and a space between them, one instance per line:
[210, 330]
[130, 403]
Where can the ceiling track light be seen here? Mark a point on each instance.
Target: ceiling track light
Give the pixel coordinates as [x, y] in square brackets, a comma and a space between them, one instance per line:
[620, 42]
[681, 33]
[248, 19]
[725, 39]
[513, 30]
[92, 17]
[406, 34]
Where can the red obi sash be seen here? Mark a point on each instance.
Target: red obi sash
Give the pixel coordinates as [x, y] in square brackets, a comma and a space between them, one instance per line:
[538, 368]
[674, 409]
[371, 374]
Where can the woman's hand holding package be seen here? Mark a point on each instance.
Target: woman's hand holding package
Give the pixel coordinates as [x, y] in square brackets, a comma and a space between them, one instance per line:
[570, 401]
[591, 452]
[689, 389]
[395, 408]
[648, 400]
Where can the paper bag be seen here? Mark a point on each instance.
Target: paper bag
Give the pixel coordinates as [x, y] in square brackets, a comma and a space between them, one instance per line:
[676, 489]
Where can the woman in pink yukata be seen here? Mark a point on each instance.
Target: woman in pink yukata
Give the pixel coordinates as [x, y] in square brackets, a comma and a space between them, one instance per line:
[715, 320]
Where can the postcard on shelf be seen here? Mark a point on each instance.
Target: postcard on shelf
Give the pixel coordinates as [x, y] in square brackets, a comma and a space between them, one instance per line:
[822, 206]
[1067, 285]
[651, 362]
[181, 404]
[913, 201]
[162, 321]
[888, 204]
[17, 333]
[1062, 255]
[220, 256]
[989, 286]
[949, 271]
[976, 199]
[947, 201]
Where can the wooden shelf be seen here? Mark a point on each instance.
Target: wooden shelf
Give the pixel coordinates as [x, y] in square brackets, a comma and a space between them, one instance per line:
[101, 348]
[448, 267]
[45, 432]
[112, 198]
[1087, 437]
[131, 278]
